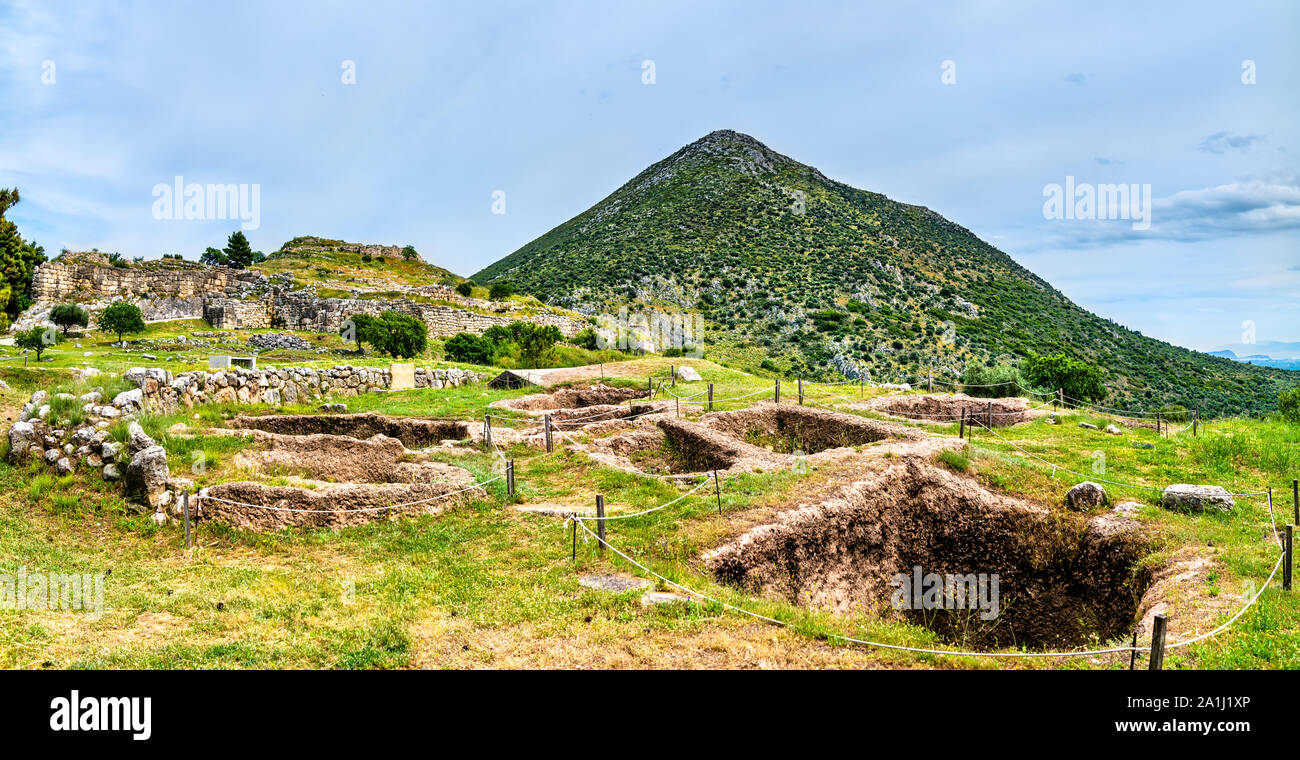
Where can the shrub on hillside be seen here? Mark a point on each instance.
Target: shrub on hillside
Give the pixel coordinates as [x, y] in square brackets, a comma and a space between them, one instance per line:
[500, 291]
[1288, 402]
[463, 347]
[465, 288]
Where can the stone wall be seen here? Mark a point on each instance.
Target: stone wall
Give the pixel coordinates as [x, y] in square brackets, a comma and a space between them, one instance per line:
[160, 389]
[78, 282]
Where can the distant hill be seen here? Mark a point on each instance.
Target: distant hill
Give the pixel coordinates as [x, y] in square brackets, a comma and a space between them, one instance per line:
[806, 276]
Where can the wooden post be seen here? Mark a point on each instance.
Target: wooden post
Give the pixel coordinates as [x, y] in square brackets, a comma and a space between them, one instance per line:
[510, 477]
[1158, 643]
[1196, 421]
[710, 397]
[776, 398]
[1133, 650]
[962, 433]
[600, 521]
[602, 372]
[717, 492]
[990, 416]
[673, 369]
[1295, 500]
[650, 384]
[679, 407]
[800, 391]
[575, 539]
[1060, 397]
[1286, 563]
[187, 518]
[487, 432]
[546, 423]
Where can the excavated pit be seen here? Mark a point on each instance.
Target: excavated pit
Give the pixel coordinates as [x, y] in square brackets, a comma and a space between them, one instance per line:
[948, 408]
[338, 458]
[1063, 580]
[791, 429]
[413, 432]
[666, 445]
[573, 398]
[328, 505]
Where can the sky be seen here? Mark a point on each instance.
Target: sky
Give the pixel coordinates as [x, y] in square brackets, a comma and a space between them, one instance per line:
[417, 123]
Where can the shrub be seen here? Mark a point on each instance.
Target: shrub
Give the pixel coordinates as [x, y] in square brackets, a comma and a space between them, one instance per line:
[409, 254]
[465, 288]
[121, 318]
[67, 315]
[398, 335]
[587, 339]
[1079, 379]
[999, 381]
[463, 347]
[1288, 402]
[500, 291]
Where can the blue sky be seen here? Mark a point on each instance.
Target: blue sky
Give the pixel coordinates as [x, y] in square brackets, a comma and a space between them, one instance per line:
[545, 101]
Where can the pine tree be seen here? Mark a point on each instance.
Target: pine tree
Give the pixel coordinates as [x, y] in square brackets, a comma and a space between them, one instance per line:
[239, 254]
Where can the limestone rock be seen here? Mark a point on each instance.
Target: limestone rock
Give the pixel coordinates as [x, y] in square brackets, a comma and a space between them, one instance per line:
[1192, 498]
[1086, 495]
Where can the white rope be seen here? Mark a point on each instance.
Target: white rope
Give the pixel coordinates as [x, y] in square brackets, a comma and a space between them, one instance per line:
[349, 511]
[707, 478]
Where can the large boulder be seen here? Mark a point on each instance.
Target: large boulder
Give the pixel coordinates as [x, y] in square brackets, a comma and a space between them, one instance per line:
[688, 374]
[1189, 498]
[129, 401]
[147, 476]
[1087, 495]
[22, 436]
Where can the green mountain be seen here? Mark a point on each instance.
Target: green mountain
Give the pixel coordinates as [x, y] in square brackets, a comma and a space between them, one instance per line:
[805, 276]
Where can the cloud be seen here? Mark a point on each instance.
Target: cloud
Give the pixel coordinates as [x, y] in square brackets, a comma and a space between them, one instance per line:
[1221, 142]
[1247, 207]
[1077, 78]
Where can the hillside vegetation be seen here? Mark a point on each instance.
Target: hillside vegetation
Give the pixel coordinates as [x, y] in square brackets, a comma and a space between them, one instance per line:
[805, 276]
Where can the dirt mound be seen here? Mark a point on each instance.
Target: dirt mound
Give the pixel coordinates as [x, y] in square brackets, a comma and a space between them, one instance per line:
[1062, 581]
[924, 408]
[573, 398]
[303, 507]
[788, 429]
[413, 432]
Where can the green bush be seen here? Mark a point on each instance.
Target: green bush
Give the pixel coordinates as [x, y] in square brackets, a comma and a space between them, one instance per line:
[998, 381]
[398, 335]
[500, 291]
[463, 347]
[465, 288]
[1288, 402]
[1079, 379]
[587, 339]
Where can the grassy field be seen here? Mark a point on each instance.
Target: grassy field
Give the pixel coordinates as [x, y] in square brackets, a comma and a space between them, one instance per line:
[489, 586]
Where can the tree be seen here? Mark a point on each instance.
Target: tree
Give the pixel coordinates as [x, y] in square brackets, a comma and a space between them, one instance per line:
[214, 258]
[355, 329]
[1288, 402]
[395, 334]
[463, 347]
[36, 339]
[239, 254]
[409, 254]
[466, 288]
[1079, 380]
[121, 318]
[18, 260]
[67, 315]
[500, 291]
